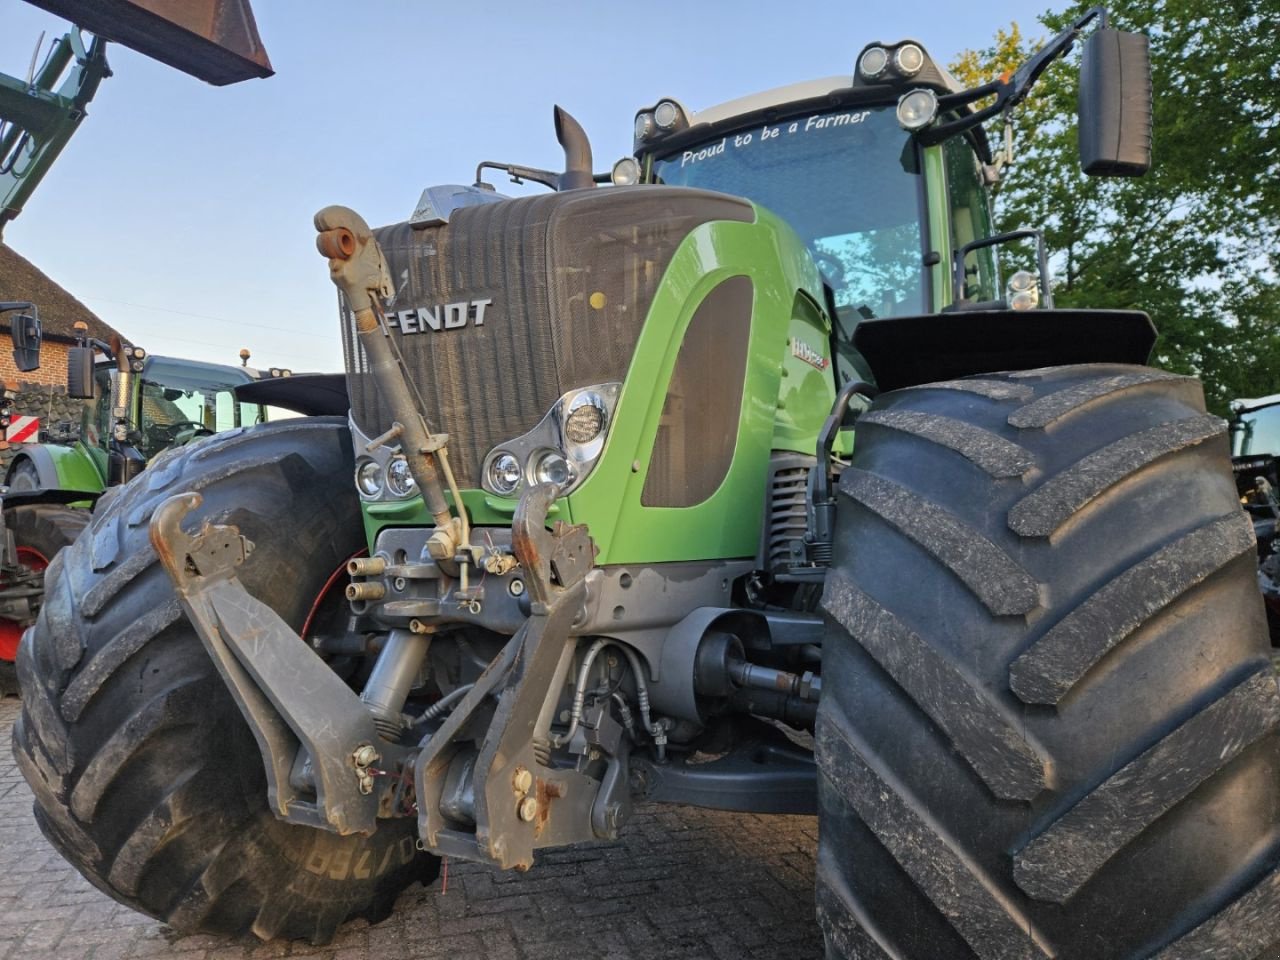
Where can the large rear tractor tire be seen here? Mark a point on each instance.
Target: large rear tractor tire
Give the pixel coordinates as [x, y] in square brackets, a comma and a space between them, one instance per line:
[40, 532]
[146, 777]
[1048, 722]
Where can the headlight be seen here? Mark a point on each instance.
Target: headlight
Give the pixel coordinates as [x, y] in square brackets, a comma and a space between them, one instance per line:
[504, 474]
[908, 59]
[369, 479]
[666, 114]
[1022, 280]
[644, 125]
[585, 419]
[400, 482]
[552, 467]
[917, 109]
[872, 62]
[626, 172]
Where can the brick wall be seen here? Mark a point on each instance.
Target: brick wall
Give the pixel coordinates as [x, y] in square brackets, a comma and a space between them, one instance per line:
[48, 401]
[53, 365]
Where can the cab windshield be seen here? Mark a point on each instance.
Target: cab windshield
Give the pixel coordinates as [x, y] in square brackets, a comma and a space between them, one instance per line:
[1256, 432]
[848, 182]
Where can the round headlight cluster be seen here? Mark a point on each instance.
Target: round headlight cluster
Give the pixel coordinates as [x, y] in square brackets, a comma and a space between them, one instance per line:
[917, 109]
[369, 479]
[1024, 291]
[400, 482]
[504, 474]
[665, 117]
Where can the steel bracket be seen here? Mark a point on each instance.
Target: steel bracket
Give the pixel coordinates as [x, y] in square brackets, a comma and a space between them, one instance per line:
[520, 802]
[300, 712]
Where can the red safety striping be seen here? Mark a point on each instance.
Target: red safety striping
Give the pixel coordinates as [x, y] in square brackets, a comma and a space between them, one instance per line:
[23, 429]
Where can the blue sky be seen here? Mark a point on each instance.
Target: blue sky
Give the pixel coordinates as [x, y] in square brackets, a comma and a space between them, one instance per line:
[181, 213]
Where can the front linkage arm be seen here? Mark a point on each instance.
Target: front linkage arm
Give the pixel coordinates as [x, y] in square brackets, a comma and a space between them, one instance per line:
[483, 787]
[288, 695]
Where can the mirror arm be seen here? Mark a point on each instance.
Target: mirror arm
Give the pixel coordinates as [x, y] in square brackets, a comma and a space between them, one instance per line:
[518, 174]
[1010, 89]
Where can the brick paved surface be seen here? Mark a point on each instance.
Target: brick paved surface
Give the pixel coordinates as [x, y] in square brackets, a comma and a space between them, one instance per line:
[680, 883]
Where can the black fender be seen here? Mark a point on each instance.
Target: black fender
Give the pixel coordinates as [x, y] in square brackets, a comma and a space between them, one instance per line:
[41, 459]
[311, 394]
[907, 351]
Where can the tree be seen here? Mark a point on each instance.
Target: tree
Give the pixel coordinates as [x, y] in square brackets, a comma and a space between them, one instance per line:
[1196, 241]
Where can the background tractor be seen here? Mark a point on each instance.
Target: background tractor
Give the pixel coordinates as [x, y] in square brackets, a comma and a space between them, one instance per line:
[137, 407]
[595, 532]
[1255, 449]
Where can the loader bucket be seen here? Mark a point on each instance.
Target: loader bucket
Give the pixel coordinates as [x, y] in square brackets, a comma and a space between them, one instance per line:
[215, 40]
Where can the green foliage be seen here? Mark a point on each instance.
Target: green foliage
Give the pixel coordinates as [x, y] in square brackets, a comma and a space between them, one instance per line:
[1195, 242]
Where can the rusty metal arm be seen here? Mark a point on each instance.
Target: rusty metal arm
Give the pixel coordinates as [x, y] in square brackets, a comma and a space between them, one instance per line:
[311, 728]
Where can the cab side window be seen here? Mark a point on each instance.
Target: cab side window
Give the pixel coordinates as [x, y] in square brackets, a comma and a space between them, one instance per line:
[970, 218]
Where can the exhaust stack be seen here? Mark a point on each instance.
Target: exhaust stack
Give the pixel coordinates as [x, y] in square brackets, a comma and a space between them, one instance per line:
[577, 153]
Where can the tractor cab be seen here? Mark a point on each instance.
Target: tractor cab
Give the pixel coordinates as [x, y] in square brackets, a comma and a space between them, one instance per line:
[139, 405]
[175, 402]
[885, 176]
[869, 199]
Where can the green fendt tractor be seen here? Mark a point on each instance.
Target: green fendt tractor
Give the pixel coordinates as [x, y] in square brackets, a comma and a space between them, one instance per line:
[141, 405]
[595, 532]
[1255, 461]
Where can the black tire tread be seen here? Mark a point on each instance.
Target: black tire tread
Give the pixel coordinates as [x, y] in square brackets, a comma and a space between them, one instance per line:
[993, 576]
[144, 773]
[1131, 665]
[993, 453]
[1041, 513]
[1057, 661]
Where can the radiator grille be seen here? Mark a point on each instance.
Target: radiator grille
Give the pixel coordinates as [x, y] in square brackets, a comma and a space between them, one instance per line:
[570, 277]
[785, 517]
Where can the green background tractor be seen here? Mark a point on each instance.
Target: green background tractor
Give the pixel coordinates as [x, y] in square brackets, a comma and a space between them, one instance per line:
[595, 532]
[137, 406]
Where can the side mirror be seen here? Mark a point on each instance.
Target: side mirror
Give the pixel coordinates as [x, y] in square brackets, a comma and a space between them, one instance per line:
[80, 373]
[25, 330]
[1115, 105]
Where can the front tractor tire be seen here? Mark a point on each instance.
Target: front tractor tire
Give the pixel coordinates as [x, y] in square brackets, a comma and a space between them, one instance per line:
[146, 777]
[40, 532]
[1048, 723]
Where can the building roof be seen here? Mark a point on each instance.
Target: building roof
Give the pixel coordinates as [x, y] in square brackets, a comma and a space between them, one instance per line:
[20, 279]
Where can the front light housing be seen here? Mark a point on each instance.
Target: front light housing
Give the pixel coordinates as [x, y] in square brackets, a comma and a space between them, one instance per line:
[917, 109]
[1024, 291]
[666, 114]
[562, 449]
[626, 172]
[552, 467]
[585, 419]
[503, 474]
[1022, 280]
[369, 478]
[872, 62]
[399, 479]
[908, 59]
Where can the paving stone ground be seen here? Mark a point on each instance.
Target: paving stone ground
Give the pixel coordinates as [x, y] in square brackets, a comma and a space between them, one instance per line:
[680, 883]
